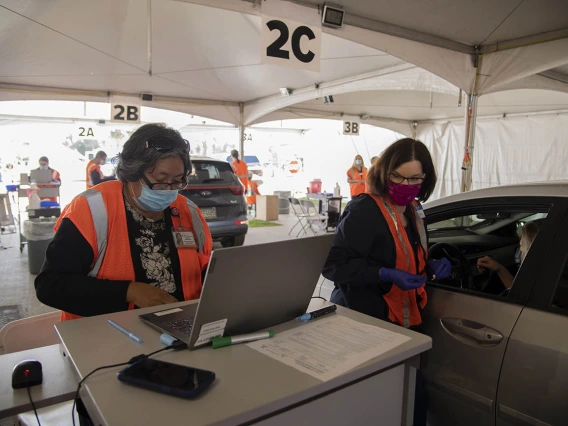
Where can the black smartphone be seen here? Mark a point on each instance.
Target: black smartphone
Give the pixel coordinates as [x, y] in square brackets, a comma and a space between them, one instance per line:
[168, 378]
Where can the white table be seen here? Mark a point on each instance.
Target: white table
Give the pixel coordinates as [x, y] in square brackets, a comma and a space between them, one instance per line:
[250, 387]
[59, 381]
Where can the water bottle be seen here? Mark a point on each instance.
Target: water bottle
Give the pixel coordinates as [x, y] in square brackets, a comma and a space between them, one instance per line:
[34, 200]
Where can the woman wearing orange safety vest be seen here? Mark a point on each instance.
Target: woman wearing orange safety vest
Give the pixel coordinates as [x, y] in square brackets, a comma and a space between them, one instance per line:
[115, 248]
[379, 257]
[240, 168]
[356, 176]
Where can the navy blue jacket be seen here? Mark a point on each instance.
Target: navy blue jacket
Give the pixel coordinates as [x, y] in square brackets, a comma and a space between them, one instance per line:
[362, 245]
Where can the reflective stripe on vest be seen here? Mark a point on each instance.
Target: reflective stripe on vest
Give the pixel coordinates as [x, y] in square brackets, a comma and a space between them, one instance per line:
[100, 221]
[197, 225]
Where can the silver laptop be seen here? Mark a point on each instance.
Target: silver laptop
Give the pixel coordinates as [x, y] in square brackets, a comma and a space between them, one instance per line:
[247, 289]
[41, 176]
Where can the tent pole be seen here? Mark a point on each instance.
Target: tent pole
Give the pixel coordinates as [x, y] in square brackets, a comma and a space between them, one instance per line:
[149, 30]
[242, 129]
[470, 123]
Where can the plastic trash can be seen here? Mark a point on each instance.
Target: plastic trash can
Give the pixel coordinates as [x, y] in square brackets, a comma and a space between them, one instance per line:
[283, 201]
[39, 233]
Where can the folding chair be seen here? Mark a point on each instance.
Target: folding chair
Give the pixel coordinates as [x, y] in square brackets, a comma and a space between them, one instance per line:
[316, 222]
[298, 211]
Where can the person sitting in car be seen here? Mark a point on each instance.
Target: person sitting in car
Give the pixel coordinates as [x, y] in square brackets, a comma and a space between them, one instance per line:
[527, 234]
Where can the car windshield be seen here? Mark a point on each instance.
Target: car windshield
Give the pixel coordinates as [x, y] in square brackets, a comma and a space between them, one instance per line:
[249, 159]
[480, 224]
[216, 172]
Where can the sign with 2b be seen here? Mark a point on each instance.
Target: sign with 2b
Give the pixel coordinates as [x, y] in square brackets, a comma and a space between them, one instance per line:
[351, 128]
[291, 44]
[125, 113]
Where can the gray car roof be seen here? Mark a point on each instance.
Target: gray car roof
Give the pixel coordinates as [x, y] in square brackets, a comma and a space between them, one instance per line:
[558, 188]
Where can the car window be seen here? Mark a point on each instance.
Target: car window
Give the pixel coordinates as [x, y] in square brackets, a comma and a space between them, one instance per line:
[484, 248]
[249, 159]
[217, 172]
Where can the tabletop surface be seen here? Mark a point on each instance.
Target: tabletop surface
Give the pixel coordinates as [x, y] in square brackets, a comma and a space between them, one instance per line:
[248, 385]
[59, 381]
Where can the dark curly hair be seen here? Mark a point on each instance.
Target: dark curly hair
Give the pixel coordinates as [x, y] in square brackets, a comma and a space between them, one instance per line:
[136, 157]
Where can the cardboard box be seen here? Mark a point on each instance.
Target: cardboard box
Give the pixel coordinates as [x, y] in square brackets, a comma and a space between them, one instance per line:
[267, 207]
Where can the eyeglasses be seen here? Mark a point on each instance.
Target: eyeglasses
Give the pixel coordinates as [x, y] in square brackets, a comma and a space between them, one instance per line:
[165, 144]
[160, 185]
[415, 181]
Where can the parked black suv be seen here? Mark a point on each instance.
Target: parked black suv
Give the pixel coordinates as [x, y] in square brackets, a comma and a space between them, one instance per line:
[219, 194]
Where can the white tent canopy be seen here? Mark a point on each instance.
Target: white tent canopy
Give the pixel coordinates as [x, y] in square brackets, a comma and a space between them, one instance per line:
[399, 65]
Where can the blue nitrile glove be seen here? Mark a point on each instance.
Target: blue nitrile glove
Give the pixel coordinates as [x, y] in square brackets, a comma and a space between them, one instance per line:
[402, 279]
[441, 268]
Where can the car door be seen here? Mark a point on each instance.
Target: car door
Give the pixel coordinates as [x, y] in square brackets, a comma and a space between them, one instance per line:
[534, 380]
[470, 329]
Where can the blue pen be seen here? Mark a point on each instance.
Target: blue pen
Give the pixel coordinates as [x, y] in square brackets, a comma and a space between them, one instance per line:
[125, 331]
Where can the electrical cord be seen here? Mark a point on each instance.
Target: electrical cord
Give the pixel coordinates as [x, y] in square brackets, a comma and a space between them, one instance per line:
[33, 405]
[177, 345]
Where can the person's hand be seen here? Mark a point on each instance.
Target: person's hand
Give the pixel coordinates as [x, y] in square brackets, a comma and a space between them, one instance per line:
[441, 268]
[144, 295]
[487, 263]
[402, 279]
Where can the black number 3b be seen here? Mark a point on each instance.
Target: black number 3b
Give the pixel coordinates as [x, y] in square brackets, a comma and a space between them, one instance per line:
[275, 49]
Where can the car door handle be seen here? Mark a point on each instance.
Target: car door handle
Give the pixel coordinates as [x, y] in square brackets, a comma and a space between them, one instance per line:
[473, 330]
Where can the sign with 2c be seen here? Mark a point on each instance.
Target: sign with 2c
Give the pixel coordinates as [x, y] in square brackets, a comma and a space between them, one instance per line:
[351, 128]
[125, 113]
[291, 44]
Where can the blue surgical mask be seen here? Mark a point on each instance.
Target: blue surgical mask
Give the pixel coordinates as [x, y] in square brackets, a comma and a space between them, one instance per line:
[358, 162]
[41, 167]
[156, 200]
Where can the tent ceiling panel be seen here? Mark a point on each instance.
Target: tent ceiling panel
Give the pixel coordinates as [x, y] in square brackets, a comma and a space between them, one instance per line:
[66, 29]
[385, 105]
[464, 21]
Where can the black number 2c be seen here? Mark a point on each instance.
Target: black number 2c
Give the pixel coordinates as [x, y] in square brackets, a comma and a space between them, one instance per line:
[275, 49]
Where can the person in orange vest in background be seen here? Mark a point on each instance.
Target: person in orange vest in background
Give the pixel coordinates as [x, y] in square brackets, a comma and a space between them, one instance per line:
[240, 168]
[55, 176]
[94, 174]
[356, 176]
[253, 192]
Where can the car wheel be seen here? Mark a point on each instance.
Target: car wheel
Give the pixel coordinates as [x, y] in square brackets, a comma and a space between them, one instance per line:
[239, 240]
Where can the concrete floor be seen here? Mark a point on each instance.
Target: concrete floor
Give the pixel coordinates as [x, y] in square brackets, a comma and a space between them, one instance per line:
[17, 284]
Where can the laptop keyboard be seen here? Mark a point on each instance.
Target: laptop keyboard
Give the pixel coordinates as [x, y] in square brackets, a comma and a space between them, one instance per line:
[183, 325]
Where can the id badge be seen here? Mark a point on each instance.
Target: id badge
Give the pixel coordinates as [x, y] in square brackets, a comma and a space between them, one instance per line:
[420, 211]
[183, 238]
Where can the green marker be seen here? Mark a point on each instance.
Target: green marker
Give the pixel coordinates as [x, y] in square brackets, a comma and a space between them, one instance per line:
[219, 342]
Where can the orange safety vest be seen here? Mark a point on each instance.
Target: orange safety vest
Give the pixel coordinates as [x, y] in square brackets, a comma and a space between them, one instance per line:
[241, 170]
[90, 167]
[100, 215]
[251, 199]
[403, 307]
[357, 188]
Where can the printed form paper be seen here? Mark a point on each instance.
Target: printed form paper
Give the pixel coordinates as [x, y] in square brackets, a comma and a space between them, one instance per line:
[327, 348]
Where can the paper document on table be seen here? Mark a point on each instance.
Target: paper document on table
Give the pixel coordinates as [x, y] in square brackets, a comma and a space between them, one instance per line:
[327, 348]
